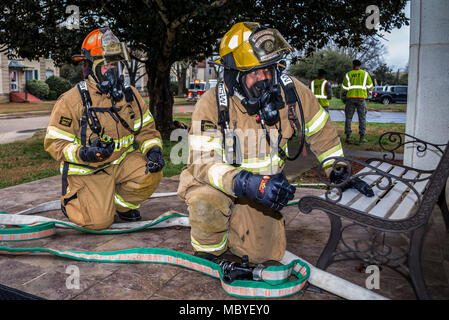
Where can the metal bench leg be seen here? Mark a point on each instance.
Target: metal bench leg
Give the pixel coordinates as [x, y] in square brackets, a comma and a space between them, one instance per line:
[416, 243]
[442, 203]
[334, 239]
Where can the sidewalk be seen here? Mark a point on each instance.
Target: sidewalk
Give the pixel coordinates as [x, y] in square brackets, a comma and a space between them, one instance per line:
[23, 114]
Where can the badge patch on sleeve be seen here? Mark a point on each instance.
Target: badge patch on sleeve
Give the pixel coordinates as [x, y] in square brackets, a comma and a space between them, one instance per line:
[65, 121]
[207, 125]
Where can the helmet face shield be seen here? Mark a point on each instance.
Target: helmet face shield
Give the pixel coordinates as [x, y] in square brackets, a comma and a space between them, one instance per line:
[113, 53]
[247, 45]
[268, 45]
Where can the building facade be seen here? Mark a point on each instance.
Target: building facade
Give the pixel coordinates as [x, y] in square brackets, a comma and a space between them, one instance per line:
[14, 73]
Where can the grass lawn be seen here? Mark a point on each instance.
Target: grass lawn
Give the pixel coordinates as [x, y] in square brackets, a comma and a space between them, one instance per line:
[337, 104]
[17, 107]
[47, 106]
[373, 132]
[26, 161]
[178, 101]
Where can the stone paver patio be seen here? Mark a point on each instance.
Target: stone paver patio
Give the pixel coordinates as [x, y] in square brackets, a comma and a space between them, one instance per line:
[45, 275]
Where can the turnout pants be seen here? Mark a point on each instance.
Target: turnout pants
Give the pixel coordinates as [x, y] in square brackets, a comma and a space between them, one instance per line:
[91, 201]
[353, 104]
[219, 222]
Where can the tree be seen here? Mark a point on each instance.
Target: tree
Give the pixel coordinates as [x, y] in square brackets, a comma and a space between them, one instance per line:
[336, 65]
[134, 66]
[403, 79]
[370, 53]
[383, 75]
[174, 30]
[179, 68]
[71, 72]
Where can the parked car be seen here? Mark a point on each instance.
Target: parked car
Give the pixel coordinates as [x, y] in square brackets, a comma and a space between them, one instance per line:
[373, 93]
[390, 94]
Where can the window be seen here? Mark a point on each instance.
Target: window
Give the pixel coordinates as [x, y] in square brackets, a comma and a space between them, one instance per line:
[401, 89]
[197, 86]
[48, 74]
[28, 75]
[36, 75]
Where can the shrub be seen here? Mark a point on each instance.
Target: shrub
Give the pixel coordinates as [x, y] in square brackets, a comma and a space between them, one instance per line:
[52, 95]
[337, 91]
[38, 88]
[58, 85]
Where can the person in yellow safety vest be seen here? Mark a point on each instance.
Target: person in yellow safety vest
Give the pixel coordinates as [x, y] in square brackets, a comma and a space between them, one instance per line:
[356, 82]
[235, 204]
[322, 89]
[105, 137]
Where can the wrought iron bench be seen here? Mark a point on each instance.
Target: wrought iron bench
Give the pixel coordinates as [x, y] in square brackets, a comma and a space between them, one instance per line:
[404, 199]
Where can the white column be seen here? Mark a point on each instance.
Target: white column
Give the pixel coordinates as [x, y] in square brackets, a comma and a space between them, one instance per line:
[428, 80]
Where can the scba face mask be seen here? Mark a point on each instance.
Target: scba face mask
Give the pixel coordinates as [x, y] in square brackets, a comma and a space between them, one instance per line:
[112, 82]
[263, 97]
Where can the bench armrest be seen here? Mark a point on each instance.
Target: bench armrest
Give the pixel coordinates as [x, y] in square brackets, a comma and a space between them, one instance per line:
[393, 140]
[383, 180]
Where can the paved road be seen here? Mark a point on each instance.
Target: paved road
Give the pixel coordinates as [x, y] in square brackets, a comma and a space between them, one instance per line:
[339, 115]
[16, 129]
[371, 116]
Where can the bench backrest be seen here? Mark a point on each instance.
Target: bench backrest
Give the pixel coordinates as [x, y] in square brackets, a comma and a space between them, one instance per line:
[435, 186]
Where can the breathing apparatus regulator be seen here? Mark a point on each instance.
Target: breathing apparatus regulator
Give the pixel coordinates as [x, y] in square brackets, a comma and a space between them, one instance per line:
[264, 97]
[246, 50]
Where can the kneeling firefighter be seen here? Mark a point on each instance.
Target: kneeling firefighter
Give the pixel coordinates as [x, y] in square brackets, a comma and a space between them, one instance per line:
[235, 187]
[105, 137]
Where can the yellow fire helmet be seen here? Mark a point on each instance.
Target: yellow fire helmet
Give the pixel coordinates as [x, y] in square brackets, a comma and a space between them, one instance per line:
[248, 45]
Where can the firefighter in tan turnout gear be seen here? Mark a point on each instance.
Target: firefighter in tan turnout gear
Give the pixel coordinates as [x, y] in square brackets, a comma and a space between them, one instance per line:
[105, 137]
[234, 185]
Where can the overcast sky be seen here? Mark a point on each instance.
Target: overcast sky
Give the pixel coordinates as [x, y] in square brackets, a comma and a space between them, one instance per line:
[397, 44]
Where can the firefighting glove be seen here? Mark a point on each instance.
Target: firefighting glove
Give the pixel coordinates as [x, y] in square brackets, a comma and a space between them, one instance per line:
[155, 160]
[271, 191]
[341, 174]
[98, 151]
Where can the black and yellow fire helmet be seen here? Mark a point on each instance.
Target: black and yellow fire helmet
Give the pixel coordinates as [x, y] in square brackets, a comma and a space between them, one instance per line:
[248, 45]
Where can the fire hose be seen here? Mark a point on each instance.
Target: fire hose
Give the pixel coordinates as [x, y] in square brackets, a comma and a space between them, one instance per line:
[237, 279]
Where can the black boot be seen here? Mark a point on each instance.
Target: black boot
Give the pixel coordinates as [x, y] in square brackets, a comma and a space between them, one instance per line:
[207, 256]
[131, 215]
[347, 139]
